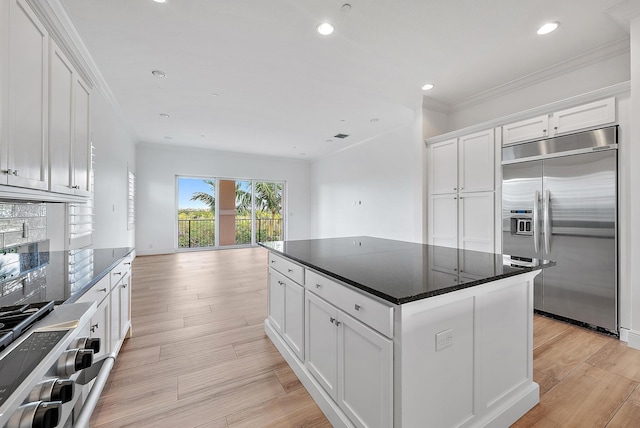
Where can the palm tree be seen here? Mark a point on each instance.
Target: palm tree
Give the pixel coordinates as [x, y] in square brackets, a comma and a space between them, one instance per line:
[205, 197]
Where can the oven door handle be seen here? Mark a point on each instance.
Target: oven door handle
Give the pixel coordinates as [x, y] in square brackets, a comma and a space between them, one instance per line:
[536, 220]
[90, 403]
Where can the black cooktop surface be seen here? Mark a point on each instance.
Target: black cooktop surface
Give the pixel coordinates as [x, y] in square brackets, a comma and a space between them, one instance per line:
[399, 271]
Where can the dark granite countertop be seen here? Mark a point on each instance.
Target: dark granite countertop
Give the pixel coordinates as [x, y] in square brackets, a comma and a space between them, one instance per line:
[30, 273]
[398, 271]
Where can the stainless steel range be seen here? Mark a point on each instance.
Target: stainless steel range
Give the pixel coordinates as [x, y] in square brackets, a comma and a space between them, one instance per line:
[44, 352]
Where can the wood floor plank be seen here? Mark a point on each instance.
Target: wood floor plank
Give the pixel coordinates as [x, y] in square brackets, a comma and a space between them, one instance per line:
[589, 398]
[566, 351]
[545, 329]
[616, 357]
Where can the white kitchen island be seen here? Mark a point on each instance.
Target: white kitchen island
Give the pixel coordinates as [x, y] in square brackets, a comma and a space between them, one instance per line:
[387, 333]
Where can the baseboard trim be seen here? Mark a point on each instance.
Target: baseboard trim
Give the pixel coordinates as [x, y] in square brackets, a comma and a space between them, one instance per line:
[634, 339]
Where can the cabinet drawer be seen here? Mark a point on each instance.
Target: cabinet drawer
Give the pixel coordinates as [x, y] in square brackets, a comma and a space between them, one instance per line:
[120, 271]
[97, 293]
[373, 313]
[287, 268]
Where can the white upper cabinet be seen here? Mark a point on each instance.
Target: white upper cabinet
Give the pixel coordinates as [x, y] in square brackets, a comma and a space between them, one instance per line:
[25, 148]
[476, 162]
[60, 121]
[524, 130]
[444, 167]
[586, 116]
[81, 141]
[69, 144]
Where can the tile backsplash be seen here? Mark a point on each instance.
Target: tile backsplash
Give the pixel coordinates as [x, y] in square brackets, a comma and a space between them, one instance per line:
[22, 223]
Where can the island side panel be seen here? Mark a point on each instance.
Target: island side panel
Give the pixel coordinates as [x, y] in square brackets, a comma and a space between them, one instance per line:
[466, 358]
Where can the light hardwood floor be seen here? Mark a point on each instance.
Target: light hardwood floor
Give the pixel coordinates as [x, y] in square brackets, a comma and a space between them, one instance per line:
[199, 357]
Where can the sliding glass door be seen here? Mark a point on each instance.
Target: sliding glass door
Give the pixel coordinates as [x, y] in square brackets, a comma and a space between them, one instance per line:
[223, 212]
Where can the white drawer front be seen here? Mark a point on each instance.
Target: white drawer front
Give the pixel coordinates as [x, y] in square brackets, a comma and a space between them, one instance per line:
[120, 271]
[373, 313]
[287, 268]
[98, 292]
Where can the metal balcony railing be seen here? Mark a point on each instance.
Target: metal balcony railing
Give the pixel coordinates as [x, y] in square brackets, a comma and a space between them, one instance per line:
[201, 233]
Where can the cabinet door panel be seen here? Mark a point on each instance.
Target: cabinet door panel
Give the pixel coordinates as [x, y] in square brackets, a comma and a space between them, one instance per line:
[444, 167]
[529, 129]
[365, 371]
[590, 115]
[276, 300]
[125, 302]
[28, 93]
[114, 331]
[322, 343]
[81, 140]
[60, 122]
[443, 220]
[476, 227]
[476, 168]
[293, 330]
[100, 327]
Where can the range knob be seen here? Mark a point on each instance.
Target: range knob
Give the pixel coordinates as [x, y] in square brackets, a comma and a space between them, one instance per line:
[74, 360]
[39, 414]
[53, 390]
[87, 343]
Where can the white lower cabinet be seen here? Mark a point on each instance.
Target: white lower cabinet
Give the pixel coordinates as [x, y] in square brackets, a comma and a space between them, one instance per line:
[286, 310]
[353, 363]
[99, 327]
[125, 304]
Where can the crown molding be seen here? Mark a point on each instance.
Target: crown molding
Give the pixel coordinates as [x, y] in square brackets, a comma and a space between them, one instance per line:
[623, 13]
[611, 50]
[57, 21]
[609, 91]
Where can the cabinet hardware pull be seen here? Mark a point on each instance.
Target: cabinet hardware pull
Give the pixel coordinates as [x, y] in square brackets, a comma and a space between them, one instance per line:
[290, 270]
[102, 289]
[280, 282]
[128, 263]
[117, 273]
[544, 131]
[318, 285]
[94, 327]
[455, 188]
[338, 323]
[124, 285]
[357, 307]
[332, 320]
[273, 261]
[16, 172]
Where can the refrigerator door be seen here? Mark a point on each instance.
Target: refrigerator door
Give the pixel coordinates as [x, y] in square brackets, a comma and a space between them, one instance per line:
[521, 210]
[579, 234]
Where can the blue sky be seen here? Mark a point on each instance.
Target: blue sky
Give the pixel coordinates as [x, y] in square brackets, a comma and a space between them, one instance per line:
[188, 186]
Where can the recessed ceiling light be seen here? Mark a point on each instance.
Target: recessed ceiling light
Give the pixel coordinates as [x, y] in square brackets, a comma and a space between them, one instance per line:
[168, 138]
[325, 28]
[548, 27]
[215, 94]
[165, 115]
[160, 1]
[427, 87]
[158, 73]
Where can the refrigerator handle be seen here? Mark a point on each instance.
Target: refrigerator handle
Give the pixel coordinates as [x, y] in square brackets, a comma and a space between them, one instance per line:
[536, 220]
[547, 221]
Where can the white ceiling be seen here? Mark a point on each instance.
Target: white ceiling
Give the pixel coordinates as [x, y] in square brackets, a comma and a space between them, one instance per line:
[254, 76]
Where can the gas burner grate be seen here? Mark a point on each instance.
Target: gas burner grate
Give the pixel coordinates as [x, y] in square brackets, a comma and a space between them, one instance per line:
[15, 320]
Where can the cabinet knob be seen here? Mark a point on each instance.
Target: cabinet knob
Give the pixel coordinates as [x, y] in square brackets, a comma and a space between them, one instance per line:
[128, 263]
[76, 186]
[273, 261]
[117, 273]
[102, 289]
[544, 131]
[455, 188]
[124, 285]
[94, 327]
[280, 282]
[318, 285]
[338, 323]
[555, 128]
[16, 172]
[332, 320]
[357, 307]
[289, 270]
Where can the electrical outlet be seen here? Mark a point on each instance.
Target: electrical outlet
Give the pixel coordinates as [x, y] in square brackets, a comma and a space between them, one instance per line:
[444, 339]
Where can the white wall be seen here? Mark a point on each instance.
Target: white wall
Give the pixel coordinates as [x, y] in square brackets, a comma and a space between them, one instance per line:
[634, 232]
[158, 166]
[375, 188]
[114, 153]
[575, 82]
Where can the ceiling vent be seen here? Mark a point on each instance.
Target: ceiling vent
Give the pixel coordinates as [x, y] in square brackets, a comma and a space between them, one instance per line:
[341, 136]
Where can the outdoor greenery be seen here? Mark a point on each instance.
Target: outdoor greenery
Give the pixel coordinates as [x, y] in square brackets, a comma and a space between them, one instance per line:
[196, 227]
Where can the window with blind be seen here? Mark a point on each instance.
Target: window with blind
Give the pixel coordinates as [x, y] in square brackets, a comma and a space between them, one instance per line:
[80, 216]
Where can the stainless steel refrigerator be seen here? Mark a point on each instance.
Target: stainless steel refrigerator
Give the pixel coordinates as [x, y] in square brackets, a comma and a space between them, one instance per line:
[559, 202]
